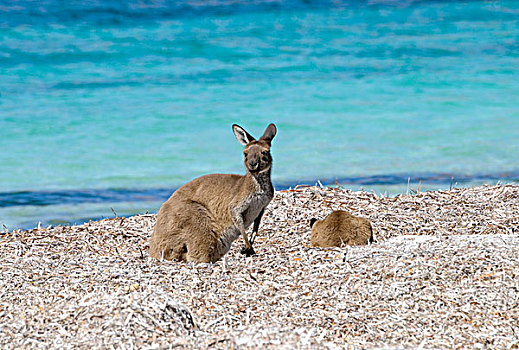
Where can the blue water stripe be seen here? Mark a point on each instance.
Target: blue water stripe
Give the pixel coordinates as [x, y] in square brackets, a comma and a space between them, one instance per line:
[61, 197]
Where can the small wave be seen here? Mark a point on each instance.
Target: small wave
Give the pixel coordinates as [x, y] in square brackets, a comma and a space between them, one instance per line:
[114, 12]
[71, 197]
[431, 179]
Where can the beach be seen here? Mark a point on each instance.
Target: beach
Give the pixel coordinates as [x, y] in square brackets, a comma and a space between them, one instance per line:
[443, 273]
[114, 104]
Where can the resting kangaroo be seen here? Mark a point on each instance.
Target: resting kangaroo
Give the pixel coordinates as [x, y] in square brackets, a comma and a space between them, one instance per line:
[340, 227]
[202, 218]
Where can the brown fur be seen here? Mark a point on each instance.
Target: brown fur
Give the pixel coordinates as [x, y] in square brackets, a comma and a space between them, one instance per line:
[202, 218]
[340, 227]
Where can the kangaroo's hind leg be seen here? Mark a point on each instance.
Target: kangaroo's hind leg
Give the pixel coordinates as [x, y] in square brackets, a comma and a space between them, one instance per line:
[184, 231]
[167, 241]
[200, 237]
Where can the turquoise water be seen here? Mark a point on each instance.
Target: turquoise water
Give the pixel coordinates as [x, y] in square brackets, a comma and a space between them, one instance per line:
[97, 97]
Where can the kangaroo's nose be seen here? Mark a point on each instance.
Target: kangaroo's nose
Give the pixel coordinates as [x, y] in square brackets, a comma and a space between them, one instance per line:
[254, 165]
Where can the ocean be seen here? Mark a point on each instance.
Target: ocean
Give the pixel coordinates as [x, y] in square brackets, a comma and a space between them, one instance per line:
[107, 106]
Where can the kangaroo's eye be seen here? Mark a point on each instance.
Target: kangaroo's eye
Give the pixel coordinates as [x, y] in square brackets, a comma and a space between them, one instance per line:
[245, 154]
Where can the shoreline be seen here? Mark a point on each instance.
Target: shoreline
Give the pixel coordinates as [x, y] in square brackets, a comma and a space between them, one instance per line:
[72, 207]
[130, 194]
[442, 274]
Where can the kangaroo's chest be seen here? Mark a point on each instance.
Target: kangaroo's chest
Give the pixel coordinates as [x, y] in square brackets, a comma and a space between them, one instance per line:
[250, 209]
[255, 204]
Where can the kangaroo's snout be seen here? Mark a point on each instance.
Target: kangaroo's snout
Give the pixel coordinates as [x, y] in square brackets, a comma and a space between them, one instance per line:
[253, 166]
[254, 163]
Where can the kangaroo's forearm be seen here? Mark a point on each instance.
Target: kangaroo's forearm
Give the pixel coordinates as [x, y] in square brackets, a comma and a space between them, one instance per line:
[257, 221]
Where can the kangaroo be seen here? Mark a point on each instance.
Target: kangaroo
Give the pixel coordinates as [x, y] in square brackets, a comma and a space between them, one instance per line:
[202, 218]
[340, 227]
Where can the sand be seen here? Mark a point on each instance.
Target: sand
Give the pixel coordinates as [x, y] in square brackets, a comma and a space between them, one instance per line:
[443, 273]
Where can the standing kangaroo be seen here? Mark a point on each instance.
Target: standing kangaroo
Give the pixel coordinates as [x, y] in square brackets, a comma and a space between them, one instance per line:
[202, 218]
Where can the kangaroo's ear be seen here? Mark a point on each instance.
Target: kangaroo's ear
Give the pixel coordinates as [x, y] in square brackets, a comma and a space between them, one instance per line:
[242, 136]
[269, 133]
[312, 222]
